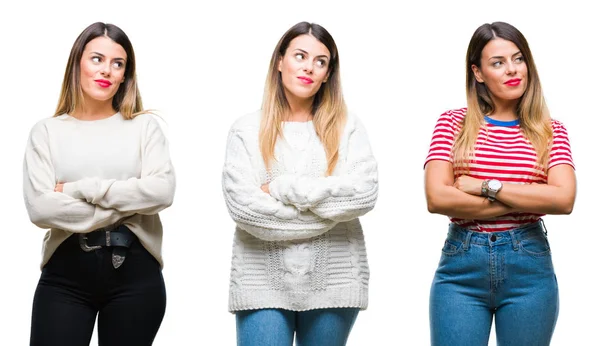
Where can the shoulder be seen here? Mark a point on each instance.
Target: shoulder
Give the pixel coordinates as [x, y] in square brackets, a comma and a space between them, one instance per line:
[248, 123]
[558, 128]
[42, 126]
[353, 123]
[454, 115]
[151, 124]
[557, 124]
[451, 120]
[352, 119]
[146, 119]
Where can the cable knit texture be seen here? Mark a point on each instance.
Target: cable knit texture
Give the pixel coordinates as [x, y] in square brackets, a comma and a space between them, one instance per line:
[301, 247]
[115, 171]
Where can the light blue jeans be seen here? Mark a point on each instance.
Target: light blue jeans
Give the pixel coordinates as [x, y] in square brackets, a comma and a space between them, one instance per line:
[507, 275]
[275, 327]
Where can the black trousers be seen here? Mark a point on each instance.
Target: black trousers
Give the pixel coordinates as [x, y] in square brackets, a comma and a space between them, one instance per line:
[75, 286]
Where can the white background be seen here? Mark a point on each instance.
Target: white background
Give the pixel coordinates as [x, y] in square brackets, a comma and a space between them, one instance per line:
[205, 66]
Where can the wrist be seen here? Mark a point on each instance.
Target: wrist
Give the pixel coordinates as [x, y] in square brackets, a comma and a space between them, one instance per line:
[484, 188]
[490, 188]
[71, 189]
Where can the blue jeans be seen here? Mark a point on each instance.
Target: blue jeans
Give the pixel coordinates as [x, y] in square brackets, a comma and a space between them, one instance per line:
[508, 275]
[275, 327]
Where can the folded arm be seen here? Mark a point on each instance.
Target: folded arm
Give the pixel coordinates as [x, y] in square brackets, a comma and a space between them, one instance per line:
[349, 193]
[444, 198]
[257, 212]
[50, 209]
[148, 195]
[555, 197]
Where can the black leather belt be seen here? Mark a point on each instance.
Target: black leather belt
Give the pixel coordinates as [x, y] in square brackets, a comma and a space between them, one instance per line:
[119, 238]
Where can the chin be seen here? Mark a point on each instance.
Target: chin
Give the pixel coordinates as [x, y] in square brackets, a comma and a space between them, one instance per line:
[304, 94]
[101, 97]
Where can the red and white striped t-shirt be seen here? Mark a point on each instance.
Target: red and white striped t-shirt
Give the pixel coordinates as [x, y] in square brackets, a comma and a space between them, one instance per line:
[503, 153]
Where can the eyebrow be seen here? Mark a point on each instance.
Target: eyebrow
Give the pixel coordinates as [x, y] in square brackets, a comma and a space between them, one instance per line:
[318, 56]
[102, 55]
[501, 57]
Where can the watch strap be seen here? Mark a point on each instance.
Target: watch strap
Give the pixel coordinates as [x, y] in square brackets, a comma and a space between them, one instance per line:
[485, 188]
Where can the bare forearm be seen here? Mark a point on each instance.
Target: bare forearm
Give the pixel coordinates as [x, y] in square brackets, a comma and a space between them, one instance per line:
[452, 202]
[537, 198]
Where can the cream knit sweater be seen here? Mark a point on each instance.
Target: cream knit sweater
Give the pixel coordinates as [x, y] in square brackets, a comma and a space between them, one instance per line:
[114, 170]
[302, 246]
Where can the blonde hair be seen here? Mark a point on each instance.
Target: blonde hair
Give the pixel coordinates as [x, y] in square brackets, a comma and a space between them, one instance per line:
[127, 100]
[328, 108]
[532, 112]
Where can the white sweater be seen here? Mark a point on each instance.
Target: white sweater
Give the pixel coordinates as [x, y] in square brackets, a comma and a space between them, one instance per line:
[114, 170]
[302, 246]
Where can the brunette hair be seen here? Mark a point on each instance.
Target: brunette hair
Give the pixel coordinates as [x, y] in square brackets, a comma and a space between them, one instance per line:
[533, 114]
[127, 100]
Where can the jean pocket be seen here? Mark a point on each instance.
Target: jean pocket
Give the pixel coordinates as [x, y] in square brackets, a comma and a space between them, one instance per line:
[537, 246]
[452, 247]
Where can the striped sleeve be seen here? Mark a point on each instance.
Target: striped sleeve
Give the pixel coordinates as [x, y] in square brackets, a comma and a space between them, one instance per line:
[560, 153]
[443, 135]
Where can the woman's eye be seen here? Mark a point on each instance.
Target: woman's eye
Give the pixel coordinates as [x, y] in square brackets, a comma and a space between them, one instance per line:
[299, 56]
[96, 59]
[118, 64]
[497, 63]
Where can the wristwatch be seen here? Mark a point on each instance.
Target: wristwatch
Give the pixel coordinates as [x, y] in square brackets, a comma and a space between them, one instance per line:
[490, 187]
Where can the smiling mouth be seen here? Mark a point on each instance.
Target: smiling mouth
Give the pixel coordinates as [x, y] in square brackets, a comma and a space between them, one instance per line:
[513, 82]
[306, 80]
[103, 83]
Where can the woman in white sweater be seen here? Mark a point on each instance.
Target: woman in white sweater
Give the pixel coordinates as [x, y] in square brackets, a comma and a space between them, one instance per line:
[297, 176]
[97, 174]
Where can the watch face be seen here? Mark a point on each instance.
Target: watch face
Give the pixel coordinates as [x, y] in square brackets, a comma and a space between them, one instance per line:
[495, 184]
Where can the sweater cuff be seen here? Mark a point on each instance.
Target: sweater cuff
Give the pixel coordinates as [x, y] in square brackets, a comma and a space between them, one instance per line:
[70, 189]
[276, 185]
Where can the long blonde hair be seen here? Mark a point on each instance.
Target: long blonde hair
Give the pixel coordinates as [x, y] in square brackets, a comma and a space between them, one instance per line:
[532, 112]
[328, 108]
[127, 100]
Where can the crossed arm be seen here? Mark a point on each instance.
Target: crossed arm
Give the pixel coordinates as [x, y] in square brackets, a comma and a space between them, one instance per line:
[295, 206]
[92, 203]
[462, 198]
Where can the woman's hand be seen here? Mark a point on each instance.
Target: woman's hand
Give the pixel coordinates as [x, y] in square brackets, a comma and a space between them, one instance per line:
[59, 187]
[265, 189]
[469, 185]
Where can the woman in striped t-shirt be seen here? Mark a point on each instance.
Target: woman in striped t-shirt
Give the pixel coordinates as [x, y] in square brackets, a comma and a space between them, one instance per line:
[495, 168]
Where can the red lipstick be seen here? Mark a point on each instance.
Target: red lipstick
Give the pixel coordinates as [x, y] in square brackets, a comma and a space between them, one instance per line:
[103, 83]
[513, 82]
[306, 80]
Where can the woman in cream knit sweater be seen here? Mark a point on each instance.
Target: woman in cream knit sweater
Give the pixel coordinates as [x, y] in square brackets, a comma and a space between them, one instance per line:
[297, 175]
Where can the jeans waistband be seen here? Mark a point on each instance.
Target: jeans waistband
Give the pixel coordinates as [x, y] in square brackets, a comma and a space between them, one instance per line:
[514, 236]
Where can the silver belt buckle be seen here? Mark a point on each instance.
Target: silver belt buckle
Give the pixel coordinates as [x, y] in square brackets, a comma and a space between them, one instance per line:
[83, 244]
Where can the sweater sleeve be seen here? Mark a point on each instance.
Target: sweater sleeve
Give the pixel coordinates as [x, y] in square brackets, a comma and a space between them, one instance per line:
[257, 212]
[349, 193]
[49, 209]
[147, 195]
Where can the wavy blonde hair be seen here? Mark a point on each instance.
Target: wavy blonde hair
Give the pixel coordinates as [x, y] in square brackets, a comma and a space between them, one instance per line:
[127, 100]
[328, 109]
[532, 112]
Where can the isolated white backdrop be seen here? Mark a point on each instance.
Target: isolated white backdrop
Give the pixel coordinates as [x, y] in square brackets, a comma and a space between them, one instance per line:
[204, 65]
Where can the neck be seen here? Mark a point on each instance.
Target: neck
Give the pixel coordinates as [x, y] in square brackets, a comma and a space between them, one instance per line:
[504, 110]
[93, 109]
[300, 109]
